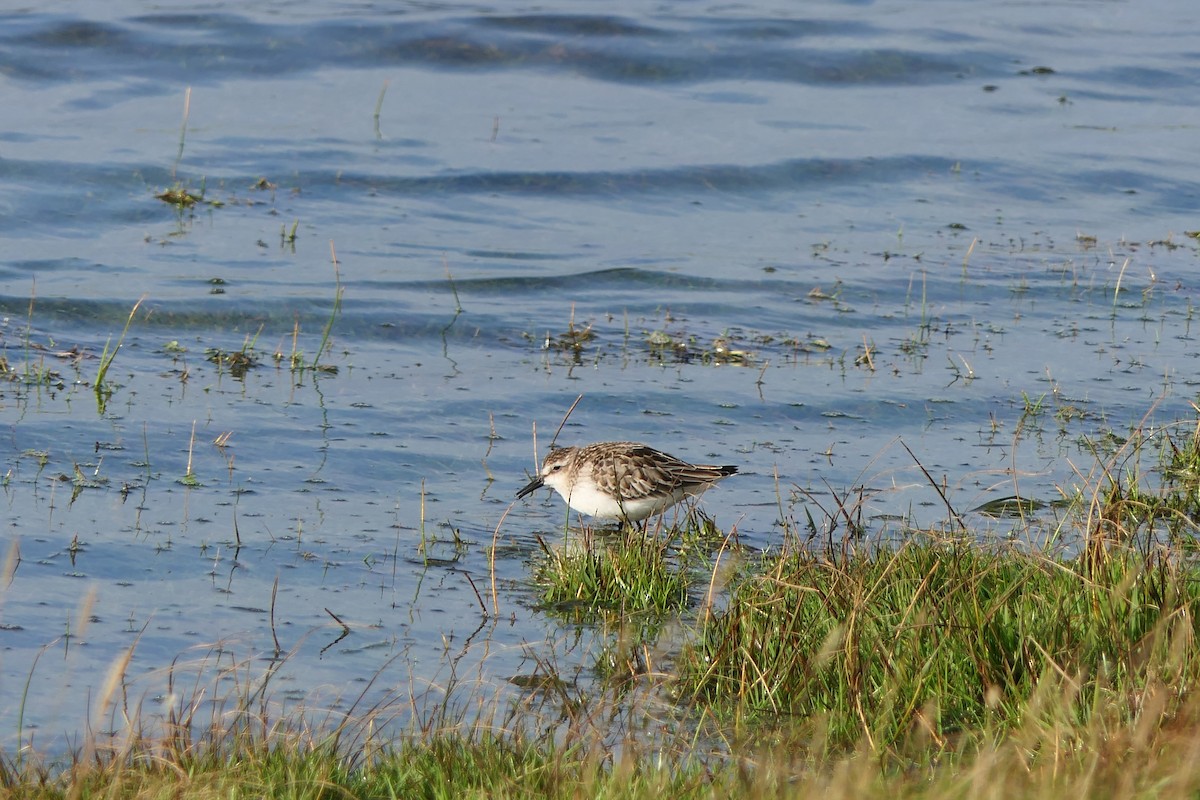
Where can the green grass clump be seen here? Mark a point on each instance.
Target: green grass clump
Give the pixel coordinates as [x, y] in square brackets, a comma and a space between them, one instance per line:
[486, 765]
[943, 638]
[630, 572]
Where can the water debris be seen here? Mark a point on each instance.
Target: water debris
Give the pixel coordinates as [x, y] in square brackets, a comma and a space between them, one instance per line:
[183, 197]
[572, 340]
[180, 197]
[665, 347]
[239, 362]
[723, 352]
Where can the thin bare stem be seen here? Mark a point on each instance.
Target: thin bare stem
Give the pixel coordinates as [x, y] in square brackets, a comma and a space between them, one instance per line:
[337, 305]
[1120, 277]
[187, 107]
[492, 559]
[564, 419]
[936, 487]
[379, 109]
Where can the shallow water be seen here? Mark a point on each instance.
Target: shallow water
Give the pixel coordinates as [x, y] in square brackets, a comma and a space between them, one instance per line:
[908, 230]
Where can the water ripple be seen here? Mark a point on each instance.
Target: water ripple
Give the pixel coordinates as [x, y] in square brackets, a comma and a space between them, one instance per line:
[199, 48]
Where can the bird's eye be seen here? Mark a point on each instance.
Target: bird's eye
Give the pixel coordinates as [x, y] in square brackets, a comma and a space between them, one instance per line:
[555, 467]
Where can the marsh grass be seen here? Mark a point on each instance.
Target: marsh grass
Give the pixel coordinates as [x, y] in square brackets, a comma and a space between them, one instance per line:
[941, 641]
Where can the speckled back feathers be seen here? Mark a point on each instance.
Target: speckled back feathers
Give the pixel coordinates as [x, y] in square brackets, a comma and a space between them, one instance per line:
[632, 471]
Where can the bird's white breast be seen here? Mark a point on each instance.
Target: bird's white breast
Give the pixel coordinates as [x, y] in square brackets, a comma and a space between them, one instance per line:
[585, 498]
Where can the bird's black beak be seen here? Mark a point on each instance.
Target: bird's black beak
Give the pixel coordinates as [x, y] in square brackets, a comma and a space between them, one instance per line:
[530, 487]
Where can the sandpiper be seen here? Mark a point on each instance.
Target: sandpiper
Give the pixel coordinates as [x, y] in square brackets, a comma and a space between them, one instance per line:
[622, 480]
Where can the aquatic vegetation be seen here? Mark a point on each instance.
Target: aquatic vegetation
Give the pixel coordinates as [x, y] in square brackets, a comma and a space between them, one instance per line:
[102, 388]
[238, 362]
[572, 340]
[181, 197]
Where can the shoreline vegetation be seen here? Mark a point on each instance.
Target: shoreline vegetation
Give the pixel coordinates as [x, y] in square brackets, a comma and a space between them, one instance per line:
[847, 662]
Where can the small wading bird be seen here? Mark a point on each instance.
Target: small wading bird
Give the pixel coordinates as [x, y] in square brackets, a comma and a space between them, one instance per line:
[622, 480]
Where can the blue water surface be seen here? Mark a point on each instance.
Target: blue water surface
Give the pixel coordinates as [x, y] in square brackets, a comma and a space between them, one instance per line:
[861, 229]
